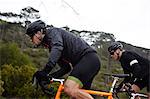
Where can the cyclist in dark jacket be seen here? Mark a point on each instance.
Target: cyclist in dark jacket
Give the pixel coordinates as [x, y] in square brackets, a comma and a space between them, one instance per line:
[133, 64]
[65, 49]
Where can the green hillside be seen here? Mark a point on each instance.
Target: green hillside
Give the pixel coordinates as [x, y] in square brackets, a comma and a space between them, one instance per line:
[19, 59]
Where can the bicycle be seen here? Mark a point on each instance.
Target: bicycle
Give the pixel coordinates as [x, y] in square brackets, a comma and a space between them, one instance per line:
[133, 95]
[110, 95]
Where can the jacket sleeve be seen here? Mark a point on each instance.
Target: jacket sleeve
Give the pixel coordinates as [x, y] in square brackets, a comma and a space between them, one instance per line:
[56, 49]
[136, 68]
[136, 71]
[65, 67]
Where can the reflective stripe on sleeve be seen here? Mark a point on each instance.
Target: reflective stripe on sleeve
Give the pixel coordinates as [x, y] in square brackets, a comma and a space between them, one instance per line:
[133, 62]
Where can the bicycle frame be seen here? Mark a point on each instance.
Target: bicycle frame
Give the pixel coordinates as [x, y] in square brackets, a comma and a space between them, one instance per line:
[134, 95]
[93, 92]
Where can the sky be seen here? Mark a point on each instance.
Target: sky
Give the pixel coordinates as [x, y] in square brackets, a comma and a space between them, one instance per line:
[128, 20]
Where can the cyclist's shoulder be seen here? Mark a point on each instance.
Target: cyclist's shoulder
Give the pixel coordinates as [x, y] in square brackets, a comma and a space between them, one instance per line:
[129, 53]
[54, 32]
[53, 29]
[128, 56]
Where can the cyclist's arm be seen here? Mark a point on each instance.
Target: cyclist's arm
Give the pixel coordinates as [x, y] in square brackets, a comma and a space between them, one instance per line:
[132, 65]
[136, 68]
[56, 50]
[64, 69]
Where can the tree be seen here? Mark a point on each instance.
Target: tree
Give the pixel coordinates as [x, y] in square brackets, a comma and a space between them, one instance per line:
[29, 13]
[26, 14]
[11, 54]
[17, 79]
[9, 14]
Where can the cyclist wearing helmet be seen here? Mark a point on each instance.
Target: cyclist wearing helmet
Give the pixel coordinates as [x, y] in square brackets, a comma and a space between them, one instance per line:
[133, 64]
[66, 48]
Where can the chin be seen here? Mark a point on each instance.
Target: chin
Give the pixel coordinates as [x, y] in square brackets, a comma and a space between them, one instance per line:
[115, 59]
[38, 44]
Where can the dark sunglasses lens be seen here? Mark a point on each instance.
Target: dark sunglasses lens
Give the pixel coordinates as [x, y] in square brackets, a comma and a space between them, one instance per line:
[111, 53]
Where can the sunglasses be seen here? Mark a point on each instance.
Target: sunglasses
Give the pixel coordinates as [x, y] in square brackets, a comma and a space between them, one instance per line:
[112, 53]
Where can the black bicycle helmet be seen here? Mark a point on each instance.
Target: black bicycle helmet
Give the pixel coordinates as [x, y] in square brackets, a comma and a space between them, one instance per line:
[114, 46]
[34, 27]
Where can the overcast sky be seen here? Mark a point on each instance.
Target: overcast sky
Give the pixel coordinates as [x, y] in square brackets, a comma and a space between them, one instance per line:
[128, 20]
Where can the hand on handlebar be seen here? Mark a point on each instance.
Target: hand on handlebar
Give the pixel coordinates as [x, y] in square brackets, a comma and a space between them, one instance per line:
[41, 76]
[120, 87]
[128, 87]
[43, 79]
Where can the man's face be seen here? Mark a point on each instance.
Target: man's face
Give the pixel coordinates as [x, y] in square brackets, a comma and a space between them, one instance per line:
[37, 38]
[115, 55]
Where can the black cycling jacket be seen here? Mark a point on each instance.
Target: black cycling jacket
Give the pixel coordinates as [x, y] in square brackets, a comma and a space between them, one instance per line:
[135, 65]
[64, 48]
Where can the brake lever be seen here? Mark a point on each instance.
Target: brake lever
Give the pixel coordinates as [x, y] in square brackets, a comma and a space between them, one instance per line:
[35, 82]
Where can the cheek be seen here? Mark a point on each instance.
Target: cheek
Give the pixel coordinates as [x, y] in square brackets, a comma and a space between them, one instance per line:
[114, 56]
[35, 40]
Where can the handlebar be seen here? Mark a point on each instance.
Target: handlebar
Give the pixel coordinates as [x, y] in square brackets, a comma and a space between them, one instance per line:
[132, 93]
[128, 90]
[58, 80]
[117, 75]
